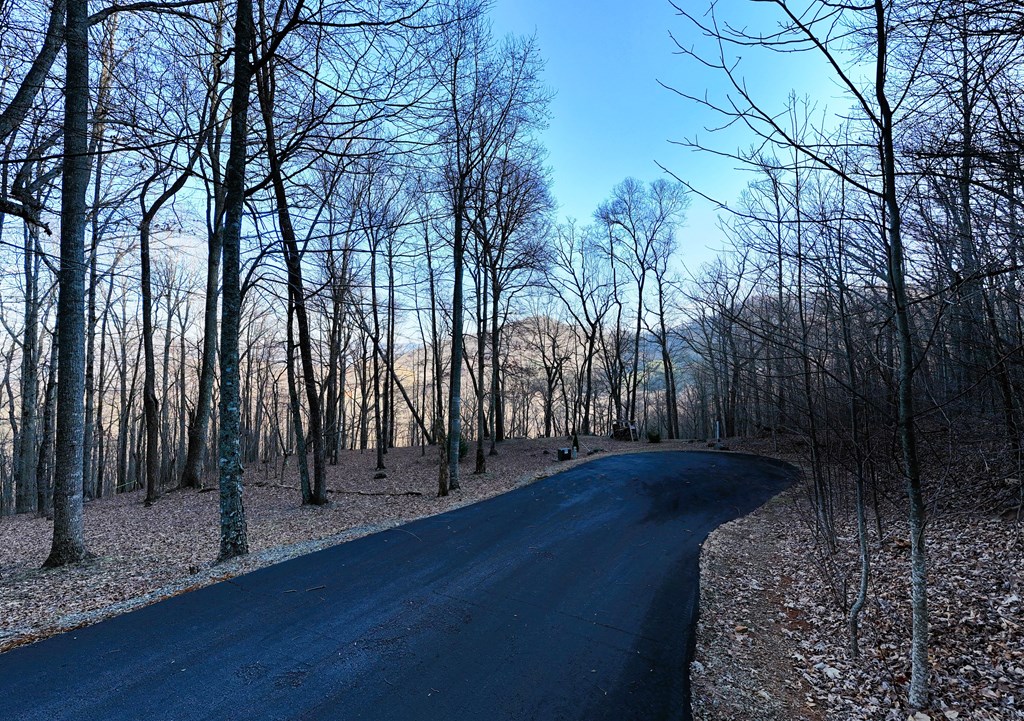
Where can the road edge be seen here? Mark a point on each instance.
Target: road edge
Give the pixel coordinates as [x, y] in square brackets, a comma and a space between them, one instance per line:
[742, 666]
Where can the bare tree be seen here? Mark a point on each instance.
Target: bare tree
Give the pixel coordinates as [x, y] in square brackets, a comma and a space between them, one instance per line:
[192, 472]
[490, 93]
[581, 282]
[641, 223]
[868, 30]
[233, 530]
[68, 533]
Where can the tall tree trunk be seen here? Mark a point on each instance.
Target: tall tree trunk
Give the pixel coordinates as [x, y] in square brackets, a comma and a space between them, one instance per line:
[149, 400]
[455, 370]
[481, 345]
[634, 381]
[859, 450]
[195, 457]
[497, 407]
[296, 409]
[233, 529]
[331, 418]
[192, 474]
[671, 402]
[68, 530]
[378, 410]
[435, 348]
[392, 377]
[99, 131]
[440, 436]
[124, 417]
[7, 479]
[293, 261]
[26, 500]
[166, 440]
[184, 319]
[44, 480]
[919, 683]
[364, 392]
[343, 427]
[88, 487]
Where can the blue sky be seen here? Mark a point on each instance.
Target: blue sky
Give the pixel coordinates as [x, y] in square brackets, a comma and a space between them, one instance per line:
[610, 117]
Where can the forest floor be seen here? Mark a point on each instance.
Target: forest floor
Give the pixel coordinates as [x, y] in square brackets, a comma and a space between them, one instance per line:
[773, 642]
[143, 555]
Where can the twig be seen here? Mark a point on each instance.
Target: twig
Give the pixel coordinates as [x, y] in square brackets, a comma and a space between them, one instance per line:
[410, 533]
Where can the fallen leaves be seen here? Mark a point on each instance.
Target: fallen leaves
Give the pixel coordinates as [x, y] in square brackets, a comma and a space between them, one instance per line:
[745, 662]
[977, 627]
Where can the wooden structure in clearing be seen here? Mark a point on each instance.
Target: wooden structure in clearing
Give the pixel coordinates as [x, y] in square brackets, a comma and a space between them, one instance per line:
[625, 431]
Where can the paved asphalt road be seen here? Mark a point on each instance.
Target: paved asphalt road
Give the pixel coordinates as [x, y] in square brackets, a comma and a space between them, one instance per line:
[572, 598]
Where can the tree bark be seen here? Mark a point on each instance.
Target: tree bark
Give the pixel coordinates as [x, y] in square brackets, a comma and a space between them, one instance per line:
[481, 345]
[233, 528]
[149, 400]
[68, 531]
[379, 408]
[497, 409]
[99, 436]
[44, 488]
[192, 474]
[455, 370]
[295, 407]
[26, 499]
[166, 439]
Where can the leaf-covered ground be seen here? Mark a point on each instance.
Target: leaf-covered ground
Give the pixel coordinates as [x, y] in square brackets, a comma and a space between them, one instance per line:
[773, 644]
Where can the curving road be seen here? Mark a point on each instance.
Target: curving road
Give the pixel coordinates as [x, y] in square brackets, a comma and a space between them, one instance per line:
[572, 598]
